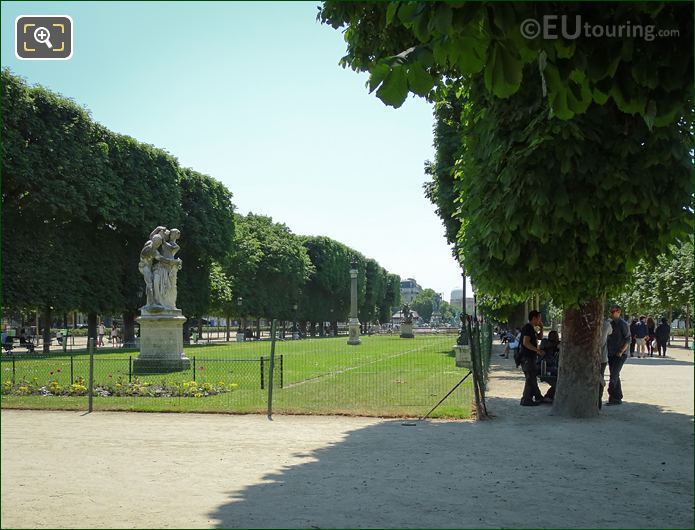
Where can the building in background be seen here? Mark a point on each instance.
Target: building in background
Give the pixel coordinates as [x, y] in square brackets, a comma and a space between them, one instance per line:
[409, 290]
[456, 295]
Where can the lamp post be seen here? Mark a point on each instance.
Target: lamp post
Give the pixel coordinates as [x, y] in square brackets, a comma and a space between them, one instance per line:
[239, 332]
[295, 333]
[354, 323]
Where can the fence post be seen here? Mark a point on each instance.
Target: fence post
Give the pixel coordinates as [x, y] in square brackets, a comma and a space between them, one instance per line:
[130, 369]
[91, 372]
[262, 382]
[13, 370]
[193, 368]
[273, 326]
[72, 369]
[281, 371]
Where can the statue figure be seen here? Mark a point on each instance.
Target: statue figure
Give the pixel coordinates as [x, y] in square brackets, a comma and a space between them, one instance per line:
[407, 315]
[159, 267]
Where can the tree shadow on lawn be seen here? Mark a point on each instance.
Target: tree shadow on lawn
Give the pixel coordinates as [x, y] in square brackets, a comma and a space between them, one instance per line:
[629, 468]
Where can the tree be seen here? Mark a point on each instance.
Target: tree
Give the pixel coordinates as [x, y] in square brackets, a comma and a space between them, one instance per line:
[423, 304]
[58, 200]
[268, 267]
[222, 300]
[545, 230]
[392, 297]
[662, 284]
[538, 180]
[416, 46]
[149, 176]
[326, 295]
[207, 230]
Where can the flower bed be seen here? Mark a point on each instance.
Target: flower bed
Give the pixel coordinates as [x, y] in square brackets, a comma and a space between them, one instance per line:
[119, 388]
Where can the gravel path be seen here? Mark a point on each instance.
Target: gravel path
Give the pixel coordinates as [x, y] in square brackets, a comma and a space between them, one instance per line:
[630, 468]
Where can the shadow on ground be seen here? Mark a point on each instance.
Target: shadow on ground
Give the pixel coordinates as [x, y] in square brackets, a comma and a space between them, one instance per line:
[631, 468]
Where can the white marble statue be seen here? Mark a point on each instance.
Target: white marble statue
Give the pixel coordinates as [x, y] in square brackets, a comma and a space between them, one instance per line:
[159, 267]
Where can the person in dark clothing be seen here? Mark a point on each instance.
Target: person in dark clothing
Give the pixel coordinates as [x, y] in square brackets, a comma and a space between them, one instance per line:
[651, 336]
[641, 333]
[662, 333]
[618, 342]
[551, 348]
[529, 350]
[633, 340]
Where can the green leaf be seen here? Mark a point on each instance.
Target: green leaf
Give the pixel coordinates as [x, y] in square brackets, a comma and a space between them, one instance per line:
[470, 55]
[377, 75]
[419, 80]
[406, 13]
[391, 11]
[503, 71]
[564, 49]
[394, 89]
[441, 21]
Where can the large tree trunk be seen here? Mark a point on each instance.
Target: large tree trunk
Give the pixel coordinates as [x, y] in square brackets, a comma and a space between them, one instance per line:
[227, 330]
[47, 329]
[258, 328]
[579, 373]
[334, 328]
[128, 329]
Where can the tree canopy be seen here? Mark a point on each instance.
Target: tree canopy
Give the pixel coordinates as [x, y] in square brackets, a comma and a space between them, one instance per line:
[414, 47]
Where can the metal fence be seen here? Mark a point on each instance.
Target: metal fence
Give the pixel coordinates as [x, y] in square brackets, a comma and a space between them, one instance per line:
[385, 375]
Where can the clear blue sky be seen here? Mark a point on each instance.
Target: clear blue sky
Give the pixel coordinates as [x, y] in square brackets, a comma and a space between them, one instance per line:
[251, 94]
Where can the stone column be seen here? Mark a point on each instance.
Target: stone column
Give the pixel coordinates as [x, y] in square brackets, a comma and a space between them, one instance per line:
[354, 323]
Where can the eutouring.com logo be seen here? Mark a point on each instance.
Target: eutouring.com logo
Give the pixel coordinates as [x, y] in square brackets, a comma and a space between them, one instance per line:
[556, 26]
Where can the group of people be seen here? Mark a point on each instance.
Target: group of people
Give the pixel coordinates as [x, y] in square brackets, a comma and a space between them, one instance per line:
[618, 339]
[114, 334]
[647, 337]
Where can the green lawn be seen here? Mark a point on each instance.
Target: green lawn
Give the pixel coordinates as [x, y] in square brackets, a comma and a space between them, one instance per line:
[384, 376]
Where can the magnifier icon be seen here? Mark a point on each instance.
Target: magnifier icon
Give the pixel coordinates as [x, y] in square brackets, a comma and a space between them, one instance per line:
[42, 35]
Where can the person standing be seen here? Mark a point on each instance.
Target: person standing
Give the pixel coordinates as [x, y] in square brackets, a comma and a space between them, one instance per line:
[617, 344]
[641, 333]
[606, 330]
[528, 350]
[662, 332]
[633, 341]
[651, 336]
[101, 331]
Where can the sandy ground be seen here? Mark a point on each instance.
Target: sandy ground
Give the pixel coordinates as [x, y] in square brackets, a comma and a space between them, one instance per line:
[630, 468]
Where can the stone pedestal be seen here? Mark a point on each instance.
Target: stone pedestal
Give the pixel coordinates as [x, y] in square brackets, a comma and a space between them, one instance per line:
[161, 342]
[407, 331]
[354, 327]
[463, 356]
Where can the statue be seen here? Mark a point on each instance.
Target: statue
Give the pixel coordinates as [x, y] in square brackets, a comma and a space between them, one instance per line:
[159, 267]
[407, 315]
[407, 323]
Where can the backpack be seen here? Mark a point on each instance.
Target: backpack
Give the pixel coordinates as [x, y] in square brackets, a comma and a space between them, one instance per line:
[518, 356]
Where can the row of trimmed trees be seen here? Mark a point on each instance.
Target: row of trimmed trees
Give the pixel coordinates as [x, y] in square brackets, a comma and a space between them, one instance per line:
[78, 203]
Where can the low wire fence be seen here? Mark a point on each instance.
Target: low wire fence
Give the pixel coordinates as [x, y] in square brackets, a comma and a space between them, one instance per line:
[385, 375]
